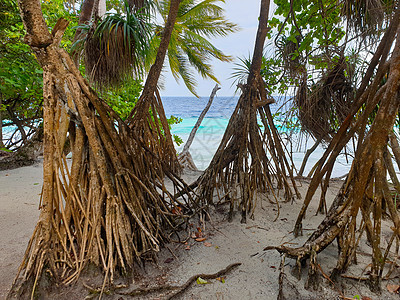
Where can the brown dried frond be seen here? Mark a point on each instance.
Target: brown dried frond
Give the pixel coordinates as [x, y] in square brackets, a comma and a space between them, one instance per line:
[108, 58]
[324, 105]
[292, 63]
[367, 16]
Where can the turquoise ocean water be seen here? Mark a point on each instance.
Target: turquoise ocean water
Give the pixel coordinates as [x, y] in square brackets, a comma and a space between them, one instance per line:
[209, 135]
[213, 127]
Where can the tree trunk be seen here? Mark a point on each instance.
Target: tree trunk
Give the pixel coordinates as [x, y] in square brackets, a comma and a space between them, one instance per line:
[366, 188]
[349, 128]
[1, 126]
[147, 119]
[185, 158]
[240, 166]
[84, 18]
[136, 4]
[18, 123]
[124, 221]
[102, 10]
[200, 119]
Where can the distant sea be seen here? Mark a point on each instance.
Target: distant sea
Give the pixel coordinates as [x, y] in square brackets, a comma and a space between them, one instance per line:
[210, 133]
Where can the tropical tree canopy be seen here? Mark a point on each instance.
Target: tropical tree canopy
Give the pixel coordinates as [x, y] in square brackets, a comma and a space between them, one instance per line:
[123, 44]
[190, 50]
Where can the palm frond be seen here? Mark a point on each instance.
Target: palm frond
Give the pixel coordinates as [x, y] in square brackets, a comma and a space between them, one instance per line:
[367, 16]
[241, 70]
[116, 47]
[196, 21]
[180, 69]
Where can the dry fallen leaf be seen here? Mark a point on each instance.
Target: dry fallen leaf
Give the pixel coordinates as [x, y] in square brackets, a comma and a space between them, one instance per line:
[201, 281]
[168, 260]
[187, 248]
[221, 279]
[177, 211]
[201, 239]
[207, 244]
[393, 288]
[366, 298]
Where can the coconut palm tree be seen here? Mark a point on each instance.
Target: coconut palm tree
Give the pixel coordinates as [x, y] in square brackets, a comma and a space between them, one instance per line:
[119, 43]
[190, 50]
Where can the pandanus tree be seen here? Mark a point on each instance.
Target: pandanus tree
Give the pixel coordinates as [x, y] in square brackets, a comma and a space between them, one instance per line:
[110, 43]
[117, 46]
[110, 206]
[365, 195]
[241, 165]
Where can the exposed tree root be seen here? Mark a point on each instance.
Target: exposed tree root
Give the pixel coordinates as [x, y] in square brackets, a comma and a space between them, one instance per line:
[110, 207]
[366, 190]
[149, 124]
[241, 165]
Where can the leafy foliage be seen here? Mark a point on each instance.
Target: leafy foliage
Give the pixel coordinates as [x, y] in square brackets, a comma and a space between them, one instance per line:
[123, 100]
[20, 74]
[115, 47]
[190, 50]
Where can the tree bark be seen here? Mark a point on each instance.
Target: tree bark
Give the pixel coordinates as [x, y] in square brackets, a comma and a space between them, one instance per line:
[155, 70]
[124, 221]
[366, 186]
[255, 67]
[200, 119]
[185, 158]
[18, 123]
[84, 17]
[240, 167]
[147, 119]
[348, 129]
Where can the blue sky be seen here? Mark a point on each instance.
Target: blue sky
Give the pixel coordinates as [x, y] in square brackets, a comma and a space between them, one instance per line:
[239, 44]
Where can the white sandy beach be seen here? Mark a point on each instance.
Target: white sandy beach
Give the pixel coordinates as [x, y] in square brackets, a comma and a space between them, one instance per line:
[19, 197]
[226, 243]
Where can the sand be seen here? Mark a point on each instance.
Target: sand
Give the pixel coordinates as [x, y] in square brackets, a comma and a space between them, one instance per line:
[19, 197]
[226, 243]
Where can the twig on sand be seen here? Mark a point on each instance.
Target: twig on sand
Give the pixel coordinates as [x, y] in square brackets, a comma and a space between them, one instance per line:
[179, 289]
[281, 276]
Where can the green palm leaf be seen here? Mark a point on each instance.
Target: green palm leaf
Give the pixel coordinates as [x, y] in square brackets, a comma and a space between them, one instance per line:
[115, 48]
[190, 50]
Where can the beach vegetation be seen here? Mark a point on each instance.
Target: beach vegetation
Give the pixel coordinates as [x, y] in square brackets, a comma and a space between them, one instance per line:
[110, 207]
[190, 51]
